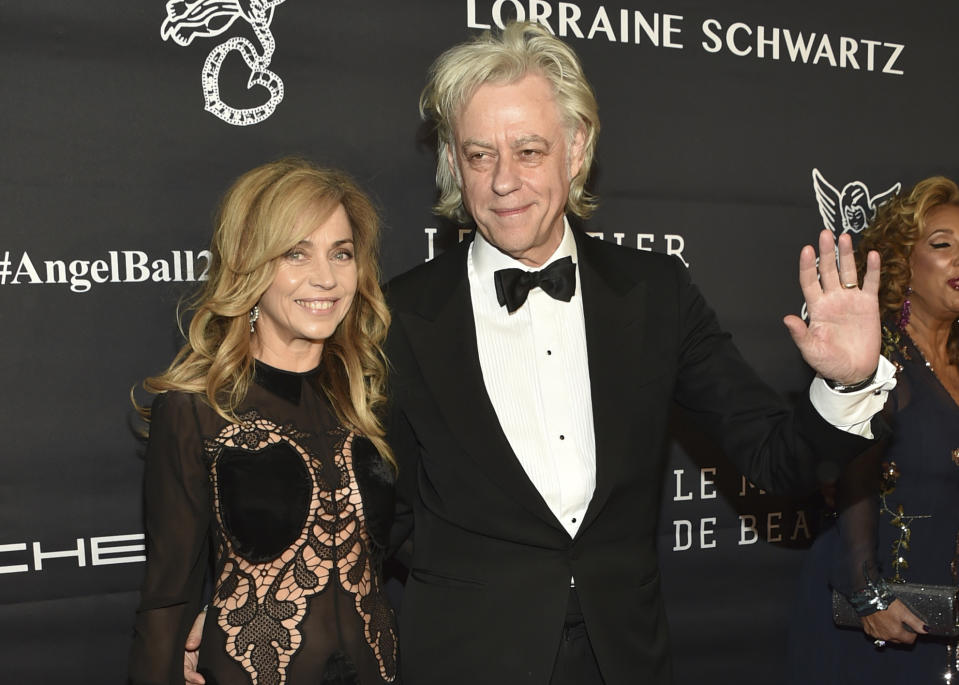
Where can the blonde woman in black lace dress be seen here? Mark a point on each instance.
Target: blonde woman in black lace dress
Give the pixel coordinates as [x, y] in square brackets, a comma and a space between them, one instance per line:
[266, 449]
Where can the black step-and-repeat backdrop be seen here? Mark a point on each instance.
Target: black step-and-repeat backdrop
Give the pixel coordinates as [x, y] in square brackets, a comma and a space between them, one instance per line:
[732, 133]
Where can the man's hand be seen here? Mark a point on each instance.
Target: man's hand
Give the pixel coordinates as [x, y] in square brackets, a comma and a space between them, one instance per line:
[191, 654]
[842, 339]
[890, 625]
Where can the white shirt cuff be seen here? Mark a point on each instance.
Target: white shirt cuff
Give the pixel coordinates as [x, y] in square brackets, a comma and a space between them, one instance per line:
[853, 411]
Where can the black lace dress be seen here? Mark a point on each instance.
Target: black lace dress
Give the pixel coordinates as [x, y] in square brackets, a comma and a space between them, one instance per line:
[898, 519]
[296, 511]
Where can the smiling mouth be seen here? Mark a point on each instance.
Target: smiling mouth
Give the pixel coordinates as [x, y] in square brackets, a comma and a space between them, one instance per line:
[510, 211]
[953, 283]
[317, 305]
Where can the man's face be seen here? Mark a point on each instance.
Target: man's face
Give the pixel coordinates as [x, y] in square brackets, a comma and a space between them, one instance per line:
[514, 160]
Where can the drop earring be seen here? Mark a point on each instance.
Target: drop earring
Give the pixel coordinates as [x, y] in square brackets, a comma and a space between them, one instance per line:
[254, 315]
[906, 309]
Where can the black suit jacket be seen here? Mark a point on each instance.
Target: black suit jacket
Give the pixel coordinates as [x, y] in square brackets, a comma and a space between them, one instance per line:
[486, 596]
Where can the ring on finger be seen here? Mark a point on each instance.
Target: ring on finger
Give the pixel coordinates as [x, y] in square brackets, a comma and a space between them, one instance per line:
[850, 286]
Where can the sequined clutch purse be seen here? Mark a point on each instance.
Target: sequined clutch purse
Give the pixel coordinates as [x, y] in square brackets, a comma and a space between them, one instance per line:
[936, 605]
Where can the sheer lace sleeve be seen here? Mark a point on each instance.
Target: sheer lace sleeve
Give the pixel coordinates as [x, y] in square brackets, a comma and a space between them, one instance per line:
[857, 571]
[857, 504]
[176, 505]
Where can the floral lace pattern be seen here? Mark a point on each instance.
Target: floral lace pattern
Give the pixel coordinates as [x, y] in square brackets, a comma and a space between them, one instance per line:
[262, 605]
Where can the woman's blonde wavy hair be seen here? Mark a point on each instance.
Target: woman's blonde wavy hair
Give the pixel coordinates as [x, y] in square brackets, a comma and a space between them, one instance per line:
[522, 48]
[898, 225]
[263, 215]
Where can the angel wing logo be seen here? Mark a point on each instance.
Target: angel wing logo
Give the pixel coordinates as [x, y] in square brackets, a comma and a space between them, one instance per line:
[188, 19]
[851, 209]
[847, 211]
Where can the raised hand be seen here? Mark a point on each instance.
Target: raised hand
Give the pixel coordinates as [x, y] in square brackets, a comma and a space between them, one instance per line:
[842, 340]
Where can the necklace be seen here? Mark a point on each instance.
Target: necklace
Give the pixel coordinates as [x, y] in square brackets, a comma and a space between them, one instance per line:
[921, 354]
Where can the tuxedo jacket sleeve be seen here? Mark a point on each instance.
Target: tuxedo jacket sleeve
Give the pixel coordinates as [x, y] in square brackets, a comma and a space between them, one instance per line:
[486, 595]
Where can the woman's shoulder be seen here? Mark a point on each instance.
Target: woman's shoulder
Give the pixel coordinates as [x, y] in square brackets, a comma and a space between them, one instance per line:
[173, 402]
[179, 408]
[895, 343]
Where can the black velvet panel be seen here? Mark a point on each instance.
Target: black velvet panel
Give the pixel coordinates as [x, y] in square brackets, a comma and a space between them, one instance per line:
[340, 670]
[284, 384]
[264, 499]
[375, 477]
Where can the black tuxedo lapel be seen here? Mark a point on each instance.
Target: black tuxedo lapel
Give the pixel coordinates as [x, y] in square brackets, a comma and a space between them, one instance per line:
[442, 333]
[614, 306]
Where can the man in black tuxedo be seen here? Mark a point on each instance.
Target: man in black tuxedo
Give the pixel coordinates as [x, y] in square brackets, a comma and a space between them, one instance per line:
[533, 371]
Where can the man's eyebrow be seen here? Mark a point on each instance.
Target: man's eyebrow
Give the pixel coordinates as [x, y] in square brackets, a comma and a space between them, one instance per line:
[477, 143]
[531, 138]
[518, 143]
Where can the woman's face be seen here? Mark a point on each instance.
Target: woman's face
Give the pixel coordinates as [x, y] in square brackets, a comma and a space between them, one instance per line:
[935, 265]
[311, 294]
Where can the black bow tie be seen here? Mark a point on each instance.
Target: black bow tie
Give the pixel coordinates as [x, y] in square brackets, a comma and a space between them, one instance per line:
[558, 280]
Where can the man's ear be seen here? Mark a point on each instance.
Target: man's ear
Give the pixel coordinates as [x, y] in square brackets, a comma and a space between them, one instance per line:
[451, 163]
[577, 150]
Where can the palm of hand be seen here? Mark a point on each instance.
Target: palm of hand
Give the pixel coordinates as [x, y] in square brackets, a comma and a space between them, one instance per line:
[841, 341]
[843, 336]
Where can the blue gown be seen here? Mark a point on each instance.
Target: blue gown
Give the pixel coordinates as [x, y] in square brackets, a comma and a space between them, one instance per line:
[922, 460]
